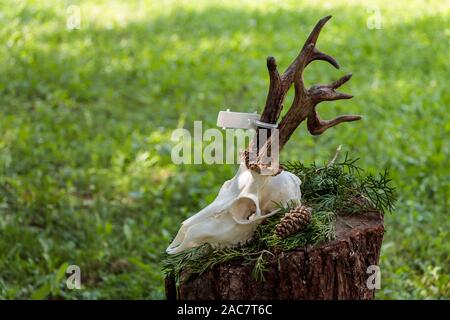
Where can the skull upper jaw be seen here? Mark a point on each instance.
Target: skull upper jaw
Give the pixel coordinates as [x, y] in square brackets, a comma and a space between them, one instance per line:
[242, 204]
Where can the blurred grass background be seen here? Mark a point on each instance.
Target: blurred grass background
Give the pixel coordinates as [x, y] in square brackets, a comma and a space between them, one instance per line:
[86, 118]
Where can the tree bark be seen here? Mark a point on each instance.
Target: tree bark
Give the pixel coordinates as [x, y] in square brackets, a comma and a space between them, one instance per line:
[334, 270]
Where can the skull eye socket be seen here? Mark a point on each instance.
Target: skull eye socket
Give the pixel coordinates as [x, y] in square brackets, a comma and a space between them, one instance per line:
[243, 208]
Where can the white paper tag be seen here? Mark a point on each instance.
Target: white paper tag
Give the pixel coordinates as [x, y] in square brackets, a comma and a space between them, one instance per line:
[237, 120]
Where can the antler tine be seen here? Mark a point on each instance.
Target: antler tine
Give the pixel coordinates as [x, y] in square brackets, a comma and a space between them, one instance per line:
[316, 126]
[314, 35]
[319, 55]
[274, 99]
[307, 54]
[327, 92]
[336, 84]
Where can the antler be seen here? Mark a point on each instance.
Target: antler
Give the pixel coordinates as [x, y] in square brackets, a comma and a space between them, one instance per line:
[305, 100]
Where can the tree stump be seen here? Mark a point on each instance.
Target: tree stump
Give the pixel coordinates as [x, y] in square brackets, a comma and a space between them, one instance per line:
[334, 270]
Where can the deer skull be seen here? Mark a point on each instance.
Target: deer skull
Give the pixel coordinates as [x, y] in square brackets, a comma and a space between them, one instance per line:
[242, 203]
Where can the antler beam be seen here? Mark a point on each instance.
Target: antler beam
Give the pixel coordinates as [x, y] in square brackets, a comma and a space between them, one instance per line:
[305, 100]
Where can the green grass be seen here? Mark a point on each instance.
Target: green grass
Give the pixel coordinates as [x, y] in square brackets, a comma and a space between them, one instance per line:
[86, 117]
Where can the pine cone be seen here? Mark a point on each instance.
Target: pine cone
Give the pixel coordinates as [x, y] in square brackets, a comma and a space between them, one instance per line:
[294, 221]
